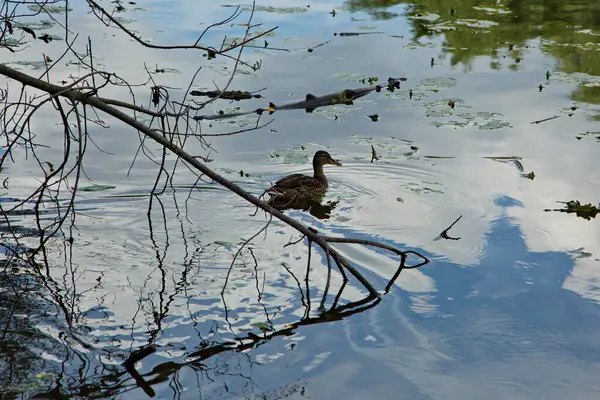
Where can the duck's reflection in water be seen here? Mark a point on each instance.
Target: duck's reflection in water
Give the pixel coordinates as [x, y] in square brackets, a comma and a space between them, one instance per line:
[312, 205]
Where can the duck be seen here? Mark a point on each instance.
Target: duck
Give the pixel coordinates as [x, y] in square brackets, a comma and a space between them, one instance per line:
[298, 187]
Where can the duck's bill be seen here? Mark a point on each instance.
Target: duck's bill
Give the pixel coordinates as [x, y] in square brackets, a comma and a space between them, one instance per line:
[335, 162]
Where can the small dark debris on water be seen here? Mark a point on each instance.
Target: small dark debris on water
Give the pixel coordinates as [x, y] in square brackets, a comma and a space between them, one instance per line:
[573, 108]
[373, 154]
[356, 33]
[370, 80]
[594, 135]
[414, 148]
[46, 38]
[155, 95]
[451, 103]
[310, 50]
[26, 29]
[530, 175]
[374, 117]
[444, 234]
[539, 121]
[518, 165]
[236, 95]
[540, 87]
[585, 211]
[394, 83]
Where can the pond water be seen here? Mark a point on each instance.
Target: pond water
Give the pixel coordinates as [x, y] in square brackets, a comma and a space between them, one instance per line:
[508, 310]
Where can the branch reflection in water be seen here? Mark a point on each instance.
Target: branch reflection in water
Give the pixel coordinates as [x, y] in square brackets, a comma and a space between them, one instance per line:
[113, 380]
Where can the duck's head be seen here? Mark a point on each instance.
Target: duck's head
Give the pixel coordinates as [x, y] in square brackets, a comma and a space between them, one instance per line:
[323, 158]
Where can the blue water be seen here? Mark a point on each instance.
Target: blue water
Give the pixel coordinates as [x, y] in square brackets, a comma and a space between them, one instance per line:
[507, 311]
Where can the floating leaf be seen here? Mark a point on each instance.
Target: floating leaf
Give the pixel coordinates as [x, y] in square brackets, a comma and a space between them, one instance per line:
[29, 30]
[50, 165]
[530, 175]
[585, 211]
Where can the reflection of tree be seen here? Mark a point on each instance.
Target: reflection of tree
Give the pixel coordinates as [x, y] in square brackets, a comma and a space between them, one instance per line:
[568, 30]
[23, 368]
[214, 358]
[376, 8]
[39, 227]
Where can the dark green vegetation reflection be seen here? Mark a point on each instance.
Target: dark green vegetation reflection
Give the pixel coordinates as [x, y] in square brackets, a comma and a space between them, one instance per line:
[567, 30]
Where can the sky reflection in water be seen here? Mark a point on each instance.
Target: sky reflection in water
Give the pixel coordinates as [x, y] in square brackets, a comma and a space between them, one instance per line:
[508, 311]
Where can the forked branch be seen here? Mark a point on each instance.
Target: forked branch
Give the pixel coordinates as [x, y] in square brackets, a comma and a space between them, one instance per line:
[96, 102]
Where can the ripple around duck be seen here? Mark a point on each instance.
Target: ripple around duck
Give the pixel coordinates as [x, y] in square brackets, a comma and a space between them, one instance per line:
[374, 179]
[413, 202]
[409, 201]
[378, 197]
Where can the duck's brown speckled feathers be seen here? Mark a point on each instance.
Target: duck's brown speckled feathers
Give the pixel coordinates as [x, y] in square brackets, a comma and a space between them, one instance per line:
[298, 186]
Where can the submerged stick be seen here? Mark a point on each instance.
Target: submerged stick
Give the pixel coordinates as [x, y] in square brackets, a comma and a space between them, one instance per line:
[312, 102]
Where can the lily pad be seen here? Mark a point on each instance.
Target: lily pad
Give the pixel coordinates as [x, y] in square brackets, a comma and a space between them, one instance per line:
[419, 45]
[439, 82]
[223, 243]
[96, 188]
[492, 125]
[36, 65]
[420, 188]
[49, 9]
[456, 124]
[492, 10]
[293, 155]
[277, 10]
[431, 17]
[475, 23]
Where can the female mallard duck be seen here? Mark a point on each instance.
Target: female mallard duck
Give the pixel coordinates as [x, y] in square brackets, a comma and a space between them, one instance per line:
[297, 187]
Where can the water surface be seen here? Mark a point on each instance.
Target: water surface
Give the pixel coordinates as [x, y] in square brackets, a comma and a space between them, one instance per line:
[510, 310]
